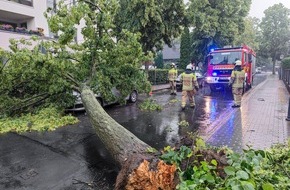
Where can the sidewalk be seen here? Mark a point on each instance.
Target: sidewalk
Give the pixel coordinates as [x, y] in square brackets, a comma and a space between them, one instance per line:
[159, 87]
[259, 123]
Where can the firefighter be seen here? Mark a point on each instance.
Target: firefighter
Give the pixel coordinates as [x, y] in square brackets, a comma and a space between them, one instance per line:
[189, 87]
[172, 75]
[237, 83]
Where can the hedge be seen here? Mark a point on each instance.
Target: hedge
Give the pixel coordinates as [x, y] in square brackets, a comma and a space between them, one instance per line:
[285, 63]
[159, 76]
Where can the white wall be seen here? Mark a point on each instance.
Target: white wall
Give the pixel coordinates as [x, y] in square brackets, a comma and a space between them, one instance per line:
[6, 36]
[36, 13]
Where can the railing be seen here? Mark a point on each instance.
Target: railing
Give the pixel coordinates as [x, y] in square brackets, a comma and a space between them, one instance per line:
[284, 74]
[24, 2]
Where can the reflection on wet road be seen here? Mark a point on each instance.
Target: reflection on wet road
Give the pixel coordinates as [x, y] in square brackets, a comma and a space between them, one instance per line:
[160, 129]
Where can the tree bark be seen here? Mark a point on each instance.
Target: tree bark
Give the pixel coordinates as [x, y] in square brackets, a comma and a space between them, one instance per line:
[139, 169]
[274, 65]
[120, 142]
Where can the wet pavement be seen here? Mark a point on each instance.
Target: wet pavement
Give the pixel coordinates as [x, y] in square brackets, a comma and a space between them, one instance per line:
[72, 157]
[65, 159]
[259, 123]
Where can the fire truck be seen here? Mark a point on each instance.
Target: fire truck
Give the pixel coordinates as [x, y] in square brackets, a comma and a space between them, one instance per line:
[221, 62]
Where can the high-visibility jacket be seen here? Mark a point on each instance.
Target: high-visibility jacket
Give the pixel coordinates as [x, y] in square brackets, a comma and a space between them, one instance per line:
[188, 81]
[238, 78]
[172, 74]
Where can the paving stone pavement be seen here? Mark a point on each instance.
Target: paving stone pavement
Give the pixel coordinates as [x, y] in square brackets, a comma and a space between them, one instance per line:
[260, 122]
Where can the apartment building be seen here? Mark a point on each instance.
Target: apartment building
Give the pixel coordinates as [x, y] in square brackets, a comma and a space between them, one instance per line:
[23, 18]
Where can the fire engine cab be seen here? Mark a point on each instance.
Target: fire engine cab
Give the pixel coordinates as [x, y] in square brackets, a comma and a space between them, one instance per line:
[221, 62]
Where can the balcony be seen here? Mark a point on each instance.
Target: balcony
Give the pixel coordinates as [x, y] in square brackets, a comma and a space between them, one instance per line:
[24, 2]
[18, 34]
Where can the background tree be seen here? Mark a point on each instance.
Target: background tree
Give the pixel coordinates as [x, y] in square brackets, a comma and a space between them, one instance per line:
[158, 22]
[159, 60]
[216, 23]
[251, 34]
[275, 27]
[185, 48]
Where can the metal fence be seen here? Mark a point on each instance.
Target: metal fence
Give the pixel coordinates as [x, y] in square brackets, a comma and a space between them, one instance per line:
[284, 74]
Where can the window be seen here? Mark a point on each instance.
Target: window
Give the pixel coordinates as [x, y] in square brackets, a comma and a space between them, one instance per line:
[225, 57]
[24, 2]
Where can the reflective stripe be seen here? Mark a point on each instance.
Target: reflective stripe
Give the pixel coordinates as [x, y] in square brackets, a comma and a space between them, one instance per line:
[239, 78]
[172, 74]
[188, 81]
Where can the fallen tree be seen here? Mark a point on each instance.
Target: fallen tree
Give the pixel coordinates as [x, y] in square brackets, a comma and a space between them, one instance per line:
[38, 73]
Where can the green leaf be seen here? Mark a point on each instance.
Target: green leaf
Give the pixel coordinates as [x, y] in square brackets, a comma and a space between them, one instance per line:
[247, 185]
[209, 178]
[242, 175]
[230, 171]
[267, 186]
[200, 143]
[214, 162]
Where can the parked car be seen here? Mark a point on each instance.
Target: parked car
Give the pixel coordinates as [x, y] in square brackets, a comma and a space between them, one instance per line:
[199, 76]
[78, 105]
[258, 70]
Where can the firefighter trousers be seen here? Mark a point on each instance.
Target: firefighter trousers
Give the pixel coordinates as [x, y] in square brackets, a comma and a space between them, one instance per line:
[172, 86]
[190, 95]
[237, 93]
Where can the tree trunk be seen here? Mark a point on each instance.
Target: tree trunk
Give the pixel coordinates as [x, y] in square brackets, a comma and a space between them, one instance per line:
[274, 66]
[140, 169]
[120, 142]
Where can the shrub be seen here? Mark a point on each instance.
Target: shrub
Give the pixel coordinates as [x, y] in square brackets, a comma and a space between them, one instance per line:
[286, 63]
[203, 167]
[159, 76]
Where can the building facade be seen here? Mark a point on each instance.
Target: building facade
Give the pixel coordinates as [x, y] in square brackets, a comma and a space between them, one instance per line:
[23, 18]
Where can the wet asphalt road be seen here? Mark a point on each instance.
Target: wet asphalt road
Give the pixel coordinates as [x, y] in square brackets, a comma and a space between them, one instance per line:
[72, 157]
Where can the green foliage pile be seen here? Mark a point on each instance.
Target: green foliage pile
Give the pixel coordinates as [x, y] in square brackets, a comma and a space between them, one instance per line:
[150, 105]
[203, 167]
[47, 119]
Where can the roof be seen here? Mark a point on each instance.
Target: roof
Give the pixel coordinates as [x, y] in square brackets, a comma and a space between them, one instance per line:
[171, 53]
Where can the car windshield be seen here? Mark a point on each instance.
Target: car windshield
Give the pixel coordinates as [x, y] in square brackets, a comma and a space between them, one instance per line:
[225, 57]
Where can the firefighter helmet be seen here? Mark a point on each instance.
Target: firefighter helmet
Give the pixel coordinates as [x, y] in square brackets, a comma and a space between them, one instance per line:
[172, 64]
[189, 66]
[238, 63]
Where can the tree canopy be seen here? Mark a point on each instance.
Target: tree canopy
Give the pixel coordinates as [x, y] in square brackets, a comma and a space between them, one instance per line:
[216, 22]
[185, 49]
[30, 77]
[275, 28]
[251, 34]
[158, 22]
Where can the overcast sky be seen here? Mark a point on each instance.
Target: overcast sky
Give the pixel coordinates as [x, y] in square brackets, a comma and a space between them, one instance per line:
[258, 6]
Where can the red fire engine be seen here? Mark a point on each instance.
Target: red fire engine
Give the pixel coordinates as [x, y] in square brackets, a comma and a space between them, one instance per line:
[221, 61]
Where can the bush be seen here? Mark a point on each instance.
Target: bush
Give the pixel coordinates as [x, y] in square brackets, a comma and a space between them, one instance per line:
[285, 63]
[159, 76]
[203, 167]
